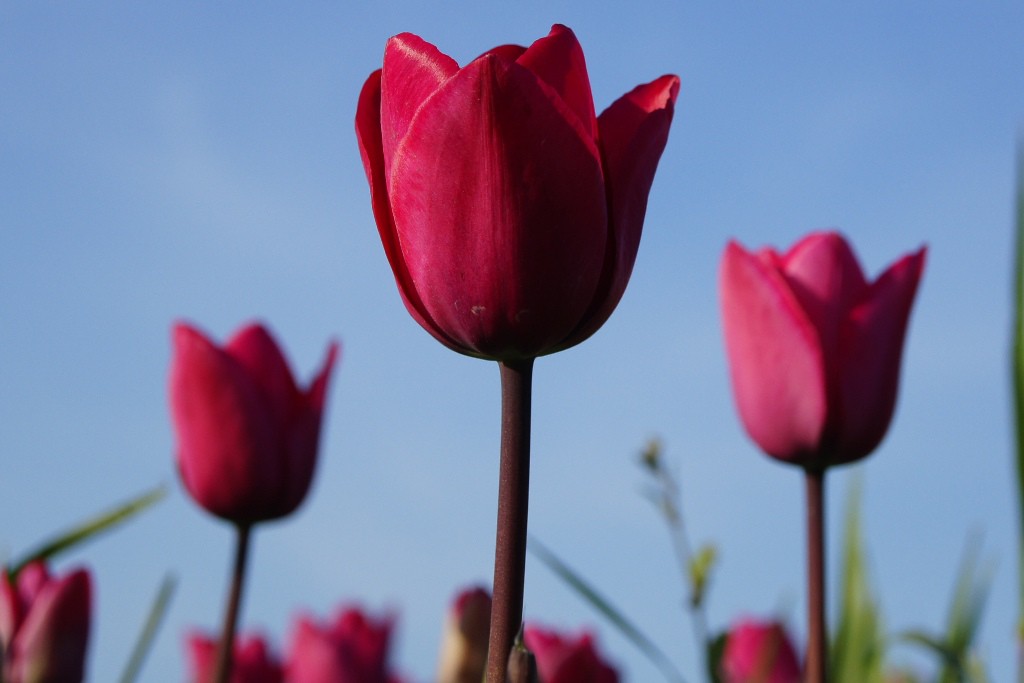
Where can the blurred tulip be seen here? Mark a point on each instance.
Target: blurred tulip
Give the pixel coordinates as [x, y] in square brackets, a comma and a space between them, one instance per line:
[44, 625]
[814, 348]
[464, 643]
[247, 435]
[351, 649]
[253, 660]
[510, 213]
[759, 652]
[562, 659]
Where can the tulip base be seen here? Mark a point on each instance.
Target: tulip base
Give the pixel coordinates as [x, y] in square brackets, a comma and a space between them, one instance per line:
[816, 666]
[513, 503]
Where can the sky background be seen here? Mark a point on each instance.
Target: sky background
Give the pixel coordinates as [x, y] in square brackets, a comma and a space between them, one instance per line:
[197, 161]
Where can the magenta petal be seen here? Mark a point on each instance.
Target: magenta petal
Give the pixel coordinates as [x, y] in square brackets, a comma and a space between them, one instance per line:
[633, 133]
[260, 357]
[777, 368]
[51, 643]
[558, 60]
[870, 356]
[500, 228]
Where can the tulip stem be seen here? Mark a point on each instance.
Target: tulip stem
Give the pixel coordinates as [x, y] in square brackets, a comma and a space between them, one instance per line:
[513, 502]
[816, 666]
[225, 660]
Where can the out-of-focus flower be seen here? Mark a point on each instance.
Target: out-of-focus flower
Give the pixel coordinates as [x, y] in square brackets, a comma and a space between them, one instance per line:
[463, 655]
[44, 625]
[814, 348]
[510, 213]
[353, 648]
[565, 659]
[253, 660]
[759, 652]
[247, 434]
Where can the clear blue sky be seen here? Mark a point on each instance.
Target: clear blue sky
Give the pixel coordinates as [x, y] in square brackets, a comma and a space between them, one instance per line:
[198, 160]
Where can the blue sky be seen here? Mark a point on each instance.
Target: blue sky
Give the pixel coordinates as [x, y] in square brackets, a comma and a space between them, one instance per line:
[198, 161]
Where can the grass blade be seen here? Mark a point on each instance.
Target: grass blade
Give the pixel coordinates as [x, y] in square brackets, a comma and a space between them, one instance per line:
[148, 635]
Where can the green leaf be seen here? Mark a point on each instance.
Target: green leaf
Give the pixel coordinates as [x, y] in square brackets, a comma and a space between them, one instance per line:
[607, 610]
[91, 527]
[145, 642]
[858, 646]
[1018, 387]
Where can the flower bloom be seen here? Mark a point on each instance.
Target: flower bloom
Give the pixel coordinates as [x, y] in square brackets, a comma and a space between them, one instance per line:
[351, 649]
[562, 659]
[464, 644]
[814, 348]
[44, 625]
[759, 652]
[247, 435]
[253, 660]
[510, 213]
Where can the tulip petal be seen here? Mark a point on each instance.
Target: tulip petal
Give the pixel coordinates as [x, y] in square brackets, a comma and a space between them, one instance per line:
[368, 134]
[776, 364]
[413, 70]
[255, 350]
[558, 60]
[499, 208]
[633, 131]
[11, 610]
[870, 353]
[226, 438]
[51, 644]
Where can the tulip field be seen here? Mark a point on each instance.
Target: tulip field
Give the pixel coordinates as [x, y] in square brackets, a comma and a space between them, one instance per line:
[526, 343]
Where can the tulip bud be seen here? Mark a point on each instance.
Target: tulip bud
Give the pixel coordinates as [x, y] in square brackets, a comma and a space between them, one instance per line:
[463, 655]
[759, 652]
[44, 625]
[351, 649]
[814, 348]
[253, 662]
[510, 213]
[247, 434]
[562, 659]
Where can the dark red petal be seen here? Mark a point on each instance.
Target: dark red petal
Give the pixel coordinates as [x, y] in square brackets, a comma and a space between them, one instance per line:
[51, 644]
[870, 354]
[775, 362]
[633, 133]
[259, 355]
[499, 208]
[413, 70]
[558, 60]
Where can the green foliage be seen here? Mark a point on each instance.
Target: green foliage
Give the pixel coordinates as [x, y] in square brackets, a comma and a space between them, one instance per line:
[1018, 388]
[149, 629]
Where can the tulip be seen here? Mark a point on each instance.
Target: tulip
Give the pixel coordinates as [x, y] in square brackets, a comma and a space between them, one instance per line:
[253, 660]
[510, 213]
[247, 434]
[562, 659]
[351, 649]
[814, 348]
[44, 625]
[759, 652]
[464, 644]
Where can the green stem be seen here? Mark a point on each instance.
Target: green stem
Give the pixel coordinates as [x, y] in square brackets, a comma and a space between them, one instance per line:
[225, 660]
[513, 503]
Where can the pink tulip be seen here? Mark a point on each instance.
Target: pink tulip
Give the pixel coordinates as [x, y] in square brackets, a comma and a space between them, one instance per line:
[510, 213]
[759, 652]
[562, 659]
[351, 649]
[464, 644]
[814, 348]
[44, 625]
[253, 660]
[247, 435]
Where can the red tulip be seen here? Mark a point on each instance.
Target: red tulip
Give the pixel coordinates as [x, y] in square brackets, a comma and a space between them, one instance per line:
[44, 625]
[247, 435]
[759, 652]
[814, 348]
[464, 644]
[351, 649]
[253, 660]
[510, 213]
[561, 659]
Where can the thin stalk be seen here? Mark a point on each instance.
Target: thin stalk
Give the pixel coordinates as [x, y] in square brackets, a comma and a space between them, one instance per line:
[513, 503]
[1018, 399]
[226, 648]
[816, 665]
